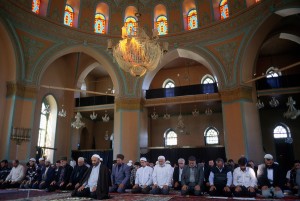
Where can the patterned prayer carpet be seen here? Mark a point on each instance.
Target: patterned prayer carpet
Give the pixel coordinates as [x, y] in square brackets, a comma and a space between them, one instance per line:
[38, 195]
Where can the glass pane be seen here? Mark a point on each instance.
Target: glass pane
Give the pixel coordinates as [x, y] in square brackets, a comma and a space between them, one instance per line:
[171, 138]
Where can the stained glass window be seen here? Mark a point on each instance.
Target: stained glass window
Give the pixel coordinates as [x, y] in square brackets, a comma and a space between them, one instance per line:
[211, 136]
[99, 23]
[224, 9]
[192, 19]
[162, 25]
[131, 25]
[36, 6]
[69, 16]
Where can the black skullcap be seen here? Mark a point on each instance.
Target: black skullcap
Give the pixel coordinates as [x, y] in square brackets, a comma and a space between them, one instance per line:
[192, 158]
[4, 161]
[137, 163]
[220, 159]
[120, 156]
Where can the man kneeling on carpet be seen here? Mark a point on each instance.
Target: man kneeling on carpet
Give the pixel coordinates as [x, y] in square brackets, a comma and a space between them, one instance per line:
[192, 178]
[95, 182]
[143, 178]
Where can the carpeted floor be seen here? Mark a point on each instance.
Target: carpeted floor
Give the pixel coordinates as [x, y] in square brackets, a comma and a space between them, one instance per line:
[38, 195]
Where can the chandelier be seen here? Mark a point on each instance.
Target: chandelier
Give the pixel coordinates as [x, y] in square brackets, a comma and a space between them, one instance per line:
[292, 112]
[259, 104]
[167, 115]
[208, 111]
[105, 118]
[77, 123]
[137, 53]
[195, 112]
[47, 109]
[180, 125]
[274, 102]
[62, 112]
[93, 116]
[154, 115]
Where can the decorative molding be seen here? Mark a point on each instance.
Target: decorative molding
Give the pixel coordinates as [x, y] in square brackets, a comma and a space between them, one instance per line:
[20, 90]
[239, 93]
[129, 103]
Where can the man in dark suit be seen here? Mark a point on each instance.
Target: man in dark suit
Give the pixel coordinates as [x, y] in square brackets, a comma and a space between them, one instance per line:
[95, 182]
[192, 178]
[120, 175]
[177, 174]
[45, 176]
[63, 178]
[270, 178]
[77, 174]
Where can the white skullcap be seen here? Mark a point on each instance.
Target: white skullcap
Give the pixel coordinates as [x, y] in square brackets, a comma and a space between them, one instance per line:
[268, 156]
[129, 164]
[96, 156]
[161, 157]
[80, 159]
[156, 163]
[41, 159]
[47, 160]
[101, 159]
[32, 159]
[168, 162]
[143, 159]
[130, 161]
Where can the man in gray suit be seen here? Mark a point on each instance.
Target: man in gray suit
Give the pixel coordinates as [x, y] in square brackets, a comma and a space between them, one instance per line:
[192, 178]
[120, 175]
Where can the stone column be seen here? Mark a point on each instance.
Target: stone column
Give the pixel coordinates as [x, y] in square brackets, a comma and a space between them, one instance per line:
[241, 124]
[130, 128]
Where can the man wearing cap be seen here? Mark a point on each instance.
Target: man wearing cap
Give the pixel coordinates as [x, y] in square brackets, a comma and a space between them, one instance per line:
[41, 162]
[31, 174]
[192, 178]
[244, 180]
[45, 176]
[77, 174]
[143, 179]
[162, 177]
[177, 174]
[120, 175]
[4, 170]
[63, 176]
[15, 177]
[95, 182]
[220, 180]
[270, 178]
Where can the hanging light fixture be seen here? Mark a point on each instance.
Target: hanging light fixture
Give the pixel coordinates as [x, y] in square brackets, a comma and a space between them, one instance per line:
[105, 118]
[62, 112]
[180, 124]
[77, 123]
[47, 109]
[154, 115]
[208, 111]
[274, 102]
[195, 112]
[106, 137]
[167, 115]
[292, 112]
[138, 53]
[93, 116]
[259, 104]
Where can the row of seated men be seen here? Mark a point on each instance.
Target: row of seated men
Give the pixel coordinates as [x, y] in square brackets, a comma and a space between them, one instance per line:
[97, 181]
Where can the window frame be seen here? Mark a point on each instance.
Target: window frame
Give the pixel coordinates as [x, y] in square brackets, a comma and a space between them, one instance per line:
[166, 139]
[208, 129]
[189, 19]
[71, 13]
[158, 24]
[166, 82]
[103, 20]
[207, 76]
[285, 127]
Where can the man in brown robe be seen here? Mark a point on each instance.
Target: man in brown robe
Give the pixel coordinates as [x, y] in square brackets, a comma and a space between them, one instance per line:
[95, 182]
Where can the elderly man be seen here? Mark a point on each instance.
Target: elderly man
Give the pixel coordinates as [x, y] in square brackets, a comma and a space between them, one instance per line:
[15, 177]
[45, 176]
[77, 174]
[220, 179]
[95, 182]
[120, 175]
[162, 177]
[31, 174]
[270, 178]
[143, 178]
[192, 178]
[244, 180]
[177, 174]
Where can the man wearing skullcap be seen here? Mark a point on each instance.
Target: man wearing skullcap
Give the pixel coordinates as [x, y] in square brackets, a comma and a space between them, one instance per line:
[45, 177]
[31, 175]
[143, 179]
[95, 182]
[15, 177]
[77, 174]
[162, 177]
[120, 175]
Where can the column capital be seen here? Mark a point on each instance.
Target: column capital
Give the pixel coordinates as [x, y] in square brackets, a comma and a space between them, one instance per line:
[241, 92]
[129, 103]
[20, 90]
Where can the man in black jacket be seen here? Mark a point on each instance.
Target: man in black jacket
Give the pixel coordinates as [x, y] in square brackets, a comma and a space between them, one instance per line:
[95, 182]
[64, 176]
[192, 178]
[177, 174]
[270, 178]
[45, 176]
[4, 170]
[77, 174]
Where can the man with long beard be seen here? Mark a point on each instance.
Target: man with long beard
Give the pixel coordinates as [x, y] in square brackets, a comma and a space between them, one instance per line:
[95, 182]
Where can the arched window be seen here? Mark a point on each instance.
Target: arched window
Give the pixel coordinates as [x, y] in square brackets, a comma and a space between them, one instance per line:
[192, 19]
[168, 83]
[170, 138]
[100, 21]
[47, 126]
[207, 79]
[131, 26]
[69, 16]
[281, 131]
[36, 6]
[224, 10]
[273, 72]
[162, 25]
[211, 136]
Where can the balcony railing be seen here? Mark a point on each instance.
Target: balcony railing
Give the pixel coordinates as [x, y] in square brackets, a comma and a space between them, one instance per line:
[285, 81]
[182, 91]
[94, 100]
